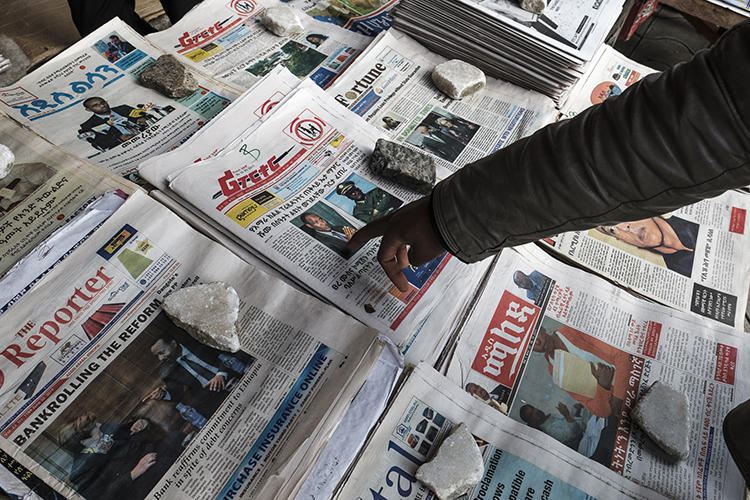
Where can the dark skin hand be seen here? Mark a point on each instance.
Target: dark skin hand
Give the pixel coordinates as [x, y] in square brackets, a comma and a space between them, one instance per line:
[408, 239]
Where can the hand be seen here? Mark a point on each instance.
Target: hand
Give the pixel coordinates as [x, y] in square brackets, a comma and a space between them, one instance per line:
[603, 374]
[349, 231]
[158, 393]
[216, 384]
[143, 465]
[411, 226]
[563, 409]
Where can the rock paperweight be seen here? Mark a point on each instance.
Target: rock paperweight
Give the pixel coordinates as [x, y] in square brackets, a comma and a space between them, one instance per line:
[6, 160]
[403, 165]
[14, 61]
[535, 6]
[662, 413]
[207, 312]
[170, 77]
[282, 20]
[456, 468]
[458, 79]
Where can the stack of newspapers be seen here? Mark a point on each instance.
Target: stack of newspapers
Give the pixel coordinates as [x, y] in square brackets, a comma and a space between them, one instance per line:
[546, 52]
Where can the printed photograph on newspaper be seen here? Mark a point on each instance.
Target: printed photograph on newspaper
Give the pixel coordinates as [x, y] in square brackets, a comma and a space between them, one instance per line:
[567, 353]
[691, 259]
[104, 396]
[368, 17]
[226, 40]
[88, 101]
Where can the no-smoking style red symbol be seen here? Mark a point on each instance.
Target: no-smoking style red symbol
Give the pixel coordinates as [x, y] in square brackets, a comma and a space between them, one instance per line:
[307, 128]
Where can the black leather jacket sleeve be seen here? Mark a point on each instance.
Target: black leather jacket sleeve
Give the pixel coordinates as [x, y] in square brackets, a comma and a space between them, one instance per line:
[670, 140]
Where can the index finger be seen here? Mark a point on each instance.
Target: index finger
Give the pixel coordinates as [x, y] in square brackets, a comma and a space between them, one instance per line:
[372, 230]
[391, 256]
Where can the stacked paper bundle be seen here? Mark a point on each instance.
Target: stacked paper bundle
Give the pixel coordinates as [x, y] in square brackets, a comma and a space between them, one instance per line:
[546, 52]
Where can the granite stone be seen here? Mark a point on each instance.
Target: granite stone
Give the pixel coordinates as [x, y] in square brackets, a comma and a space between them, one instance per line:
[170, 77]
[403, 165]
[283, 20]
[663, 414]
[458, 79]
[456, 468]
[6, 160]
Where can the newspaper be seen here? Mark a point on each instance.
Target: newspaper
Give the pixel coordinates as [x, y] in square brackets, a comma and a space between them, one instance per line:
[693, 259]
[43, 191]
[390, 86]
[225, 39]
[609, 74]
[284, 191]
[103, 396]
[519, 462]
[368, 17]
[569, 353]
[242, 114]
[88, 101]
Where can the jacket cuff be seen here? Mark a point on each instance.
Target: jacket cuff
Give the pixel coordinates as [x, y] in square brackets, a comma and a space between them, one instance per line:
[443, 219]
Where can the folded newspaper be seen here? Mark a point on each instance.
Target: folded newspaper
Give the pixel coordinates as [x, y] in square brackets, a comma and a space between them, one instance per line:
[519, 462]
[390, 86]
[43, 190]
[105, 397]
[88, 101]
[280, 191]
[693, 259]
[225, 40]
[535, 308]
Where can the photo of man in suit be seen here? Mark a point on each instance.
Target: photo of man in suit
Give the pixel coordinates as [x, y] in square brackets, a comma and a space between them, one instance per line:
[109, 127]
[332, 236]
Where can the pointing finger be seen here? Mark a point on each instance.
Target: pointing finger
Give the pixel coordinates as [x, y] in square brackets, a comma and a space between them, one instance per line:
[372, 230]
[388, 256]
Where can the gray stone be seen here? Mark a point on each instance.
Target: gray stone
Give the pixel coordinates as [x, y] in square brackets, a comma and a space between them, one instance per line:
[535, 6]
[170, 77]
[17, 63]
[283, 20]
[208, 312]
[403, 165]
[6, 160]
[456, 468]
[458, 79]
[662, 413]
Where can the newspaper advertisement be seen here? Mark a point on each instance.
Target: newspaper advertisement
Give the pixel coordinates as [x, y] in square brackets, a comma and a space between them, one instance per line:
[244, 112]
[567, 353]
[296, 189]
[609, 74]
[106, 397]
[693, 259]
[368, 17]
[43, 190]
[390, 86]
[226, 40]
[88, 101]
[519, 462]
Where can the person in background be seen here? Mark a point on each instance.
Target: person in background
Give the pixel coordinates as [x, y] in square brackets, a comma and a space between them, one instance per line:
[88, 15]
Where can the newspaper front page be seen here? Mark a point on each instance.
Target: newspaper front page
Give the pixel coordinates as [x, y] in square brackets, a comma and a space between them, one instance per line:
[88, 101]
[609, 74]
[568, 353]
[390, 86]
[104, 396]
[295, 190]
[44, 190]
[519, 462]
[368, 17]
[225, 39]
[693, 259]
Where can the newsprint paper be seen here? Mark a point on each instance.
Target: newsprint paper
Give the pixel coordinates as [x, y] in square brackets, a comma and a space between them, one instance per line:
[568, 353]
[694, 259]
[44, 190]
[390, 86]
[519, 462]
[103, 396]
[284, 191]
[88, 101]
[225, 39]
